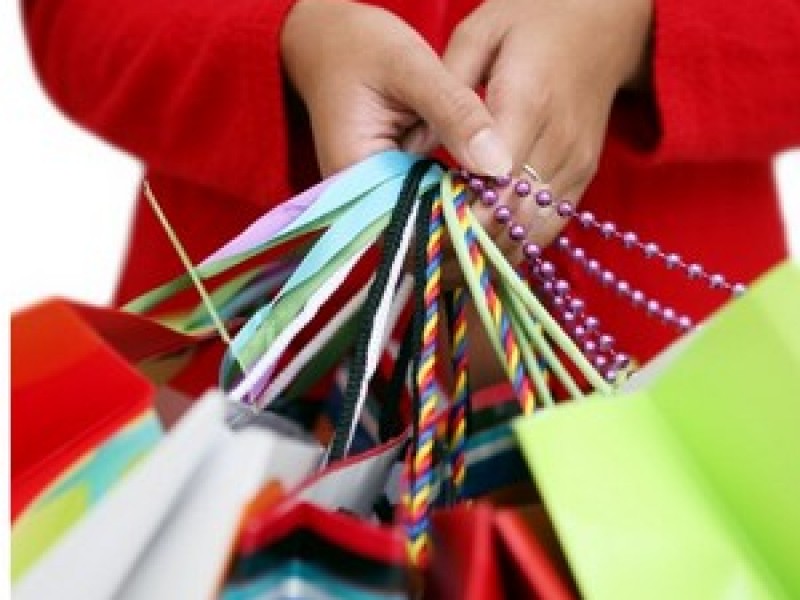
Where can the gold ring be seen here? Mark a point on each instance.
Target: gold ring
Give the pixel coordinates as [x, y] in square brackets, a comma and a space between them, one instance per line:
[534, 174]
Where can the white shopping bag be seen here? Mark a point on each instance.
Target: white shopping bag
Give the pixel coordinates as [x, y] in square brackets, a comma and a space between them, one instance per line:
[165, 530]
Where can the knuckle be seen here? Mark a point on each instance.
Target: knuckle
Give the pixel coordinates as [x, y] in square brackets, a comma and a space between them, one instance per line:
[463, 113]
[404, 68]
[586, 161]
[502, 90]
[539, 98]
[568, 133]
[468, 33]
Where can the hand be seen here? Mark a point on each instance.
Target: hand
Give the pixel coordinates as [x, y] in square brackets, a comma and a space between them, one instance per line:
[371, 83]
[551, 70]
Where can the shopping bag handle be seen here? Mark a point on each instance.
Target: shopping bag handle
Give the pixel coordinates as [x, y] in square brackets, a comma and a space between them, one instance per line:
[354, 391]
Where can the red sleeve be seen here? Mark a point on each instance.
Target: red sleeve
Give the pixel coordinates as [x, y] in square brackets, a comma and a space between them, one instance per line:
[726, 79]
[192, 87]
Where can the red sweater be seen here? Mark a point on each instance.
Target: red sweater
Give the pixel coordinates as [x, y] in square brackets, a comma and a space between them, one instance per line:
[194, 88]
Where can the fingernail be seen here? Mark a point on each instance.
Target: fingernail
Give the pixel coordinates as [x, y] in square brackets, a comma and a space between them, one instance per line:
[489, 154]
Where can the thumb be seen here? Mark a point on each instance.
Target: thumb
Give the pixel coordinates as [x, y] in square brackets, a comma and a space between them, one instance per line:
[454, 112]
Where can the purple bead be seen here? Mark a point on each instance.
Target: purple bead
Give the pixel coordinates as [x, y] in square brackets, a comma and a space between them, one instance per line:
[562, 287]
[578, 254]
[586, 218]
[653, 307]
[593, 267]
[502, 214]
[576, 305]
[608, 229]
[558, 301]
[532, 251]
[606, 341]
[579, 332]
[611, 375]
[547, 286]
[489, 197]
[629, 239]
[668, 314]
[589, 346]
[694, 271]
[684, 323]
[502, 181]
[621, 360]
[591, 323]
[637, 297]
[522, 188]
[544, 198]
[516, 232]
[672, 260]
[568, 316]
[738, 289]
[564, 210]
[600, 361]
[547, 269]
[650, 249]
[476, 184]
[716, 281]
[607, 278]
[562, 242]
[623, 288]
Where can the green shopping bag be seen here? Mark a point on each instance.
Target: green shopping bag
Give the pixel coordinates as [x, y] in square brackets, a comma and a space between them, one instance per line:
[688, 487]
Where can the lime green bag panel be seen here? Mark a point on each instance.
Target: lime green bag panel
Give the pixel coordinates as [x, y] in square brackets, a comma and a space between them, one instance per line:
[690, 486]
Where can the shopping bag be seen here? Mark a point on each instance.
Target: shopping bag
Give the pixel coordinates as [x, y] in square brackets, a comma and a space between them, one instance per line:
[164, 530]
[85, 419]
[81, 417]
[687, 487]
[82, 412]
[48, 435]
[299, 547]
[317, 540]
[188, 554]
[485, 552]
[143, 340]
[121, 523]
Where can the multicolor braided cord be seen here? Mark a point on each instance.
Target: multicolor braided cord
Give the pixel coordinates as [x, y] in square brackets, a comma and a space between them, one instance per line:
[421, 480]
[520, 380]
[457, 418]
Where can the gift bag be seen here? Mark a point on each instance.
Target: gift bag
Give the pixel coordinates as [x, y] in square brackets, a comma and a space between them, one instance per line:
[296, 549]
[374, 361]
[81, 415]
[165, 528]
[487, 552]
[688, 486]
[98, 467]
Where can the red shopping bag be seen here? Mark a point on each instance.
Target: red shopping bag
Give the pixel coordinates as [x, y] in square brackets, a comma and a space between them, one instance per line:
[484, 552]
[73, 385]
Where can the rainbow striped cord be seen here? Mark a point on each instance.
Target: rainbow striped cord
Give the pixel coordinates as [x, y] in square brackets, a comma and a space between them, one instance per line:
[421, 480]
[520, 380]
[457, 419]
